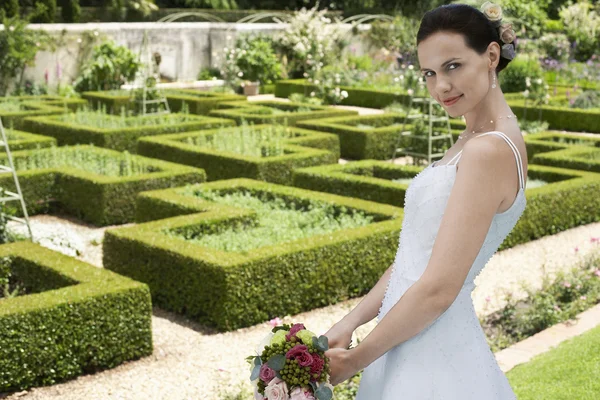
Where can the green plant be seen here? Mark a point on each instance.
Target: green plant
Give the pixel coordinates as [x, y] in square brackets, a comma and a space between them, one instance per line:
[45, 11]
[70, 10]
[10, 8]
[554, 46]
[18, 48]
[110, 67]
[209, 73]
[582, 26]
[513, 78]
[310, 42]
[396, 36]
[587, 99]
[257, 60]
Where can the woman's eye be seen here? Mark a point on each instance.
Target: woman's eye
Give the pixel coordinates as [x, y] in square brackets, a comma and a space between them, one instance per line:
[452, 65]
[426, 74]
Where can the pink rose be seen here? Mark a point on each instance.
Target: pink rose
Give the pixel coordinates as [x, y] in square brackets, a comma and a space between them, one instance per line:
[301, 394]
[266, 374]
[300, 353]
[277, 390]
[507, 34]
[317, 365]
[295, 328]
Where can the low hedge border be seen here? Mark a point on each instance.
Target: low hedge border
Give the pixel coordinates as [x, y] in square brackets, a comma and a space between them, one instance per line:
[370, 98]
[14, 119]
[563, 150]
[98, 199]
[78, 319]
[307, 149]
[570, 119]
[568, 201]
[231, 290]
[252, 113]
[116, 139]
[19, 140]
[359, 143]
[199, 102]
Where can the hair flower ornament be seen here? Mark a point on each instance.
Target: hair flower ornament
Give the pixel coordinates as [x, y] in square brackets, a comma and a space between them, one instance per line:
[493, 12]
[507, 34]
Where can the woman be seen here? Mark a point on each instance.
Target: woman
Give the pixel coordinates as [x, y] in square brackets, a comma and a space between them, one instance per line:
[428, 343]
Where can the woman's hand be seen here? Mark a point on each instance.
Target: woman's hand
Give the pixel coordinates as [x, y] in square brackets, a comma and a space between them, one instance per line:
[340, 335]
[341, 364]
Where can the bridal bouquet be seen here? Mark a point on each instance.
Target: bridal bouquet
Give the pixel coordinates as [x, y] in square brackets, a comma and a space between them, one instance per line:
[291, 365]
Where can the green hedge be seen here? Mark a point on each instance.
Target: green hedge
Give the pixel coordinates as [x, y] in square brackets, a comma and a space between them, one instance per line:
[370, 98]
[307, 148]
[35, 106]
[98, 199]
[121, 138]
[76, 319]
[268, 112]
[560, 118]
[18, 140]
[199, 102]
[570, 199]
[231, 290]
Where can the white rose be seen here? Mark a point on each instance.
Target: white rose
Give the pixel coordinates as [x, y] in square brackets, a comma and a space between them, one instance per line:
[526, 93]
[277, 390]
[344, 94]
[492, 11]
[539, 81]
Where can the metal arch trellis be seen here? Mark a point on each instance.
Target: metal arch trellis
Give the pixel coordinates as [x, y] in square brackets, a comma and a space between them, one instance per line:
[176, 16]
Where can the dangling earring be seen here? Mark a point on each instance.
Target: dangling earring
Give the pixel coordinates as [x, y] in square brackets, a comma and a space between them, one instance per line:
[493, 81]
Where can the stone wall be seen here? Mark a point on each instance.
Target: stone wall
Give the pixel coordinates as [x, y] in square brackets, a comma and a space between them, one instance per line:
[185, 47]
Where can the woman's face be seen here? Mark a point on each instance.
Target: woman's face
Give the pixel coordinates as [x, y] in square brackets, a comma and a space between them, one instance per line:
[454, 72]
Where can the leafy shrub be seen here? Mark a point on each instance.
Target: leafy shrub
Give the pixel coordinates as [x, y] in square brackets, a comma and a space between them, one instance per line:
[513, 78]
[257, 60]
[110, 67]
[587, 99]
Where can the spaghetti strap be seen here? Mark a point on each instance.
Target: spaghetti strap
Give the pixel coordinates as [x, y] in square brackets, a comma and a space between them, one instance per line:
[515, 152]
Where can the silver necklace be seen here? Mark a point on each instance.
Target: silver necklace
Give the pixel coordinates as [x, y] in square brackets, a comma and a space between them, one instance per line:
[491, 121]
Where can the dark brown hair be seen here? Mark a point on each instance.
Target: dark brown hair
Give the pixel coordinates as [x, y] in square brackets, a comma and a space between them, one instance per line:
[468, 21]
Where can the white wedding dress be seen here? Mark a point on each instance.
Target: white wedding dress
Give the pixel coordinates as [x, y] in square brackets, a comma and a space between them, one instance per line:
[450, 359]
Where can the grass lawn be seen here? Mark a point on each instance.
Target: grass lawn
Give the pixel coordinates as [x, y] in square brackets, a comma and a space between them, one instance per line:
[570, 371]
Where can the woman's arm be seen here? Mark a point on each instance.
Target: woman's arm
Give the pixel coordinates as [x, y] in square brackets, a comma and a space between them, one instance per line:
[368, 308]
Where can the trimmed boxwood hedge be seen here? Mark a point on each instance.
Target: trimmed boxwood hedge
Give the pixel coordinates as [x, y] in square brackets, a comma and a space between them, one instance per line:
[19, 140]
[569, 200]
[564, 150]
[231, 290]
[370, 98]
[98, 199]
[199, 102]
[76, 319]
[117, 139]
[14, 119]
[308, 148]
[360, 143]
[570, 119]
[258, 112]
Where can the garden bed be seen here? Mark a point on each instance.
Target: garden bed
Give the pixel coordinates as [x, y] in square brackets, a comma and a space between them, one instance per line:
[19, 140]
[262, 152]
[116, 132]
[566, 201]
[233, 287]
[270, 112]
[96, 185]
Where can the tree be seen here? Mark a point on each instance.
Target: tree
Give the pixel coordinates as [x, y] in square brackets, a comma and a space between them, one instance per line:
[70, 10]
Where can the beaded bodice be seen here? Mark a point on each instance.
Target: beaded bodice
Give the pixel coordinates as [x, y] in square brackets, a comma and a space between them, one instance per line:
[424, 206]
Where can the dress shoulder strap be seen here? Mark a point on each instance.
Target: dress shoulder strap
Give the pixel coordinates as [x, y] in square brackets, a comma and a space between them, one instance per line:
[513, 148]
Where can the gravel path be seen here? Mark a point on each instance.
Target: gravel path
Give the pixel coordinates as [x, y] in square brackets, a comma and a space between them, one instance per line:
[191, 362]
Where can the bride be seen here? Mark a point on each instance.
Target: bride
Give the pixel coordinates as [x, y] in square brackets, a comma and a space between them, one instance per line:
[428, 343]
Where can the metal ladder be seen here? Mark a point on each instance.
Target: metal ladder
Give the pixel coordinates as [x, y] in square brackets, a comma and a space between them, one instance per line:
[433, 135]
[148, 70]
[12, 196]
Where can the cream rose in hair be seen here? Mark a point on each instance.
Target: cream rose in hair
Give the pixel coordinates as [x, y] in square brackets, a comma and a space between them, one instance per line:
[492, 11]
[507, 34]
